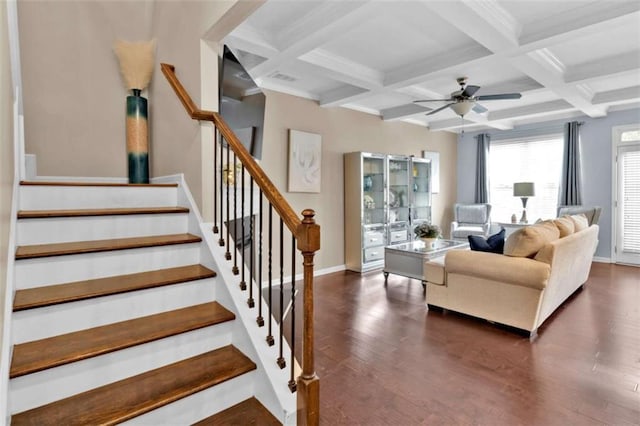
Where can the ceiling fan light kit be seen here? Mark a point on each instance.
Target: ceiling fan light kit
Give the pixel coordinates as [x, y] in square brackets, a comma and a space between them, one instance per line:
[462, 101]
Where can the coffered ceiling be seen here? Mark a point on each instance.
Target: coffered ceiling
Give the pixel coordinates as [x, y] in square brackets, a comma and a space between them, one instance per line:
[567, 58]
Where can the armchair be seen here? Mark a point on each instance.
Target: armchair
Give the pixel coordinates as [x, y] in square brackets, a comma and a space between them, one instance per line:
[592, 213]
[470, 219]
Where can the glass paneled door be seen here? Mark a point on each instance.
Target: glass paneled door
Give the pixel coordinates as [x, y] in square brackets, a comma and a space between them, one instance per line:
[627, 207]
[398, 198]
[420, 191]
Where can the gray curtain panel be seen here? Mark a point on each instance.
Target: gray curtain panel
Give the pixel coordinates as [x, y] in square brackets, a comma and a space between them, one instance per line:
[570, 191]
[482, 169]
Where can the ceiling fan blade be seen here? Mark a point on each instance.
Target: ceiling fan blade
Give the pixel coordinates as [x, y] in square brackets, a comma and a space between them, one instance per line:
[498, 97]
[433, 100]
[479, 109]
[439, 109]
[469, 91]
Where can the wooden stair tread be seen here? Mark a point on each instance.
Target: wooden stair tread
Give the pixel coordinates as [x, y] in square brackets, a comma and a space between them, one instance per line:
[131, 397]
[80, 290]
[39, 214]
[249, 412]
[77, 247]
[54, 351]
[56, 183]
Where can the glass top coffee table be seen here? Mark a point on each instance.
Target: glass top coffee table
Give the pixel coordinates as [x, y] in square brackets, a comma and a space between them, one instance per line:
[407, 259]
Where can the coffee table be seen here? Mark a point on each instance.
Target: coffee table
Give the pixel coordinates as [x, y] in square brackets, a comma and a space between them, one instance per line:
[407, 259]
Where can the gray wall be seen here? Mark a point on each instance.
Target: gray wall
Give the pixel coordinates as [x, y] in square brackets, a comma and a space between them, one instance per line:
[595, 137]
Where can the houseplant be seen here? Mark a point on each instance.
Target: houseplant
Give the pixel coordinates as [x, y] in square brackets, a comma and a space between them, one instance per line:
[428, 233]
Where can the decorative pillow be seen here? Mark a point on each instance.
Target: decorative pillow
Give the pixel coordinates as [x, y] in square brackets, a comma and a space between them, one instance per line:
[565, 225]
[527, 241]
[580, 221]
[493, 244]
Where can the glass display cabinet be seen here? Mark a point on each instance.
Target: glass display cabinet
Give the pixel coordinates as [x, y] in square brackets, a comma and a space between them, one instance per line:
[384, 196]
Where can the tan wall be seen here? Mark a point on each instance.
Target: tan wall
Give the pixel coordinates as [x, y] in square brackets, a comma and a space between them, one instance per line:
[6, 152]
[343, 131]
[74, 94]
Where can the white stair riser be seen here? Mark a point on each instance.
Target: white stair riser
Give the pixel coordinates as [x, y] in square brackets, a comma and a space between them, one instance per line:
[40, 323]
[200, 405]
[95, 197]
[39, 272]
[34, 390]
[62, 230]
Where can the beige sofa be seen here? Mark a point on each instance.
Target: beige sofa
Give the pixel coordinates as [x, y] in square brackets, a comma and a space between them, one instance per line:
[539, 271]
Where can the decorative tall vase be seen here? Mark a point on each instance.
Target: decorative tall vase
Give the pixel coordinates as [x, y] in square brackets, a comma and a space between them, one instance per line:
[137, 138]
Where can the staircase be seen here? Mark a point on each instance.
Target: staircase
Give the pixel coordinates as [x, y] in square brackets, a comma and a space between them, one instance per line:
[119, 314]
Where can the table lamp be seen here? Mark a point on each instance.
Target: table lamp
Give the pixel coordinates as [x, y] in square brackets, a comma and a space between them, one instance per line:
[524, 190]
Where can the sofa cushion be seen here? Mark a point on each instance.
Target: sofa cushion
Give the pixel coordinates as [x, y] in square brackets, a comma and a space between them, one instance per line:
[580, 221]
[527, 241]
[565, 225]
[493, 244]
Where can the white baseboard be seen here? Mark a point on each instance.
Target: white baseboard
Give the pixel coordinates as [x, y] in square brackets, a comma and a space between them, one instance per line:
[317, 273]
[602, 259]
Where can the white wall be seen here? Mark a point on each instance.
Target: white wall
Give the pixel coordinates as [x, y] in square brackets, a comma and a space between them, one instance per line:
[595, 145]
[342, 131]
[6, 153]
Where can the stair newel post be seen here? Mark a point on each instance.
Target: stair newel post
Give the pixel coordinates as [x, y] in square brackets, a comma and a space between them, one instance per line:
[308, 383]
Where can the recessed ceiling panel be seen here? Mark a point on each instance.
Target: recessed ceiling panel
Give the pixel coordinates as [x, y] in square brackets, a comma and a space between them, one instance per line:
[620, 81]
[534, 11]
[273, 16]
[396, 34]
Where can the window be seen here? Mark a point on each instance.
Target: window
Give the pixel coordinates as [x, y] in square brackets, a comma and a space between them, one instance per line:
[533, 160]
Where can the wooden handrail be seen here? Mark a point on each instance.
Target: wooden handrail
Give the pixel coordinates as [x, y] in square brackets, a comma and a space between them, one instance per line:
[306, 232]
[291, 219]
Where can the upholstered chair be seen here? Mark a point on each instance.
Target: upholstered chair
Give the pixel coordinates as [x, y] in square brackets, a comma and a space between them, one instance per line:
[470, 219]
[592, 213]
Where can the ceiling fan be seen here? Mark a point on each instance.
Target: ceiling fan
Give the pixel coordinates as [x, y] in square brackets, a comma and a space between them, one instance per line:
[462, 101]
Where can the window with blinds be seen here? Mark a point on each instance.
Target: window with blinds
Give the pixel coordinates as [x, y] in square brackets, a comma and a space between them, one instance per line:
[528, 160]
[630, 203]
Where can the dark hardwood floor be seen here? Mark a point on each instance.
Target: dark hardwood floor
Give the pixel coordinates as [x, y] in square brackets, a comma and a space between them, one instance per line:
[384, 359]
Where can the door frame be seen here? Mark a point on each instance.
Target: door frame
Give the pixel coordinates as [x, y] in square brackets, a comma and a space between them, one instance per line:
[616, 143]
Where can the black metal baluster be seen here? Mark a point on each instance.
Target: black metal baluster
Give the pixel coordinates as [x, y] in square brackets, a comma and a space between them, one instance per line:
[215, 181]
[260, 319]
[235, 218]
[227, 255]
[281, 362]
[292, 314]
[221, 239]
[270, 339]
[250, 301]
[243, 283]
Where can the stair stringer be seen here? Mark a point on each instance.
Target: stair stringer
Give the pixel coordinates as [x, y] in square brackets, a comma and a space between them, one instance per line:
[271, 384]
[7, 309]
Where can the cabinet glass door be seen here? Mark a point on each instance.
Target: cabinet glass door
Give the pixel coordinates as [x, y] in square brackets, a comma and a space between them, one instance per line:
[398, 199]
[373, 187]
[421, 191]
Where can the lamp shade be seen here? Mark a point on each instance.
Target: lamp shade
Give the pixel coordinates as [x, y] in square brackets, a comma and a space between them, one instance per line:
[524, 189]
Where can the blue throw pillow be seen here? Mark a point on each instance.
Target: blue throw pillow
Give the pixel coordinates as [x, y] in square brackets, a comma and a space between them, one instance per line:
[493, 244]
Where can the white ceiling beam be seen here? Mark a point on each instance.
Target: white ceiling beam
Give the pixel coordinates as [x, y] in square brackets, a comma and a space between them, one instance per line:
[610, 66]
[344, 69]
[248, 39]
[417, 72]
[312, 31]
[593, 18]
[540, 64]
[484, 21]
[231, 19]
